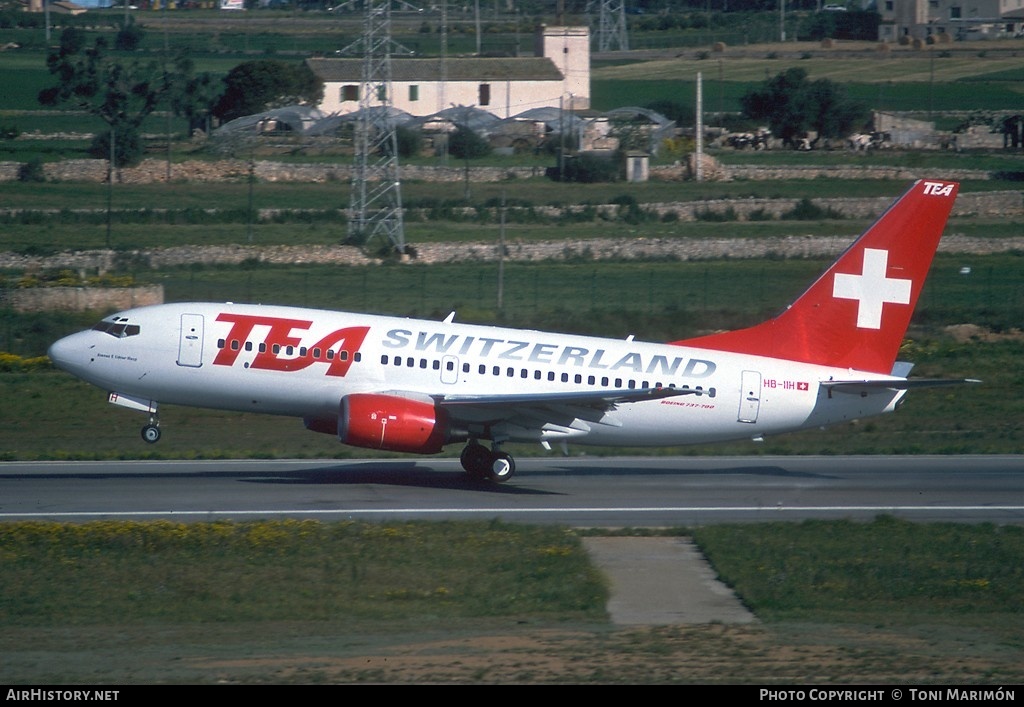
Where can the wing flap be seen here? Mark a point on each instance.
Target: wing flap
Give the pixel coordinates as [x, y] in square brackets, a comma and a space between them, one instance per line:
[560, 409]
[597, 399]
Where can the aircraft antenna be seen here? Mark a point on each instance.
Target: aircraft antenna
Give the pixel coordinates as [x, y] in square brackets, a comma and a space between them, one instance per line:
[375, 208]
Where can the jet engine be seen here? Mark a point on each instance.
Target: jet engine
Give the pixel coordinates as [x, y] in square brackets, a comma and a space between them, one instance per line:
[392, 423]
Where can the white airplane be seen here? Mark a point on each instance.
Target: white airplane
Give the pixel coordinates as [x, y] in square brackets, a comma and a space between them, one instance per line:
[412, 385]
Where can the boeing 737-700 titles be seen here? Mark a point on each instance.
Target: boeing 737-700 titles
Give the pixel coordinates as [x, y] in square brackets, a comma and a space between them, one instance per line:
[415, 385]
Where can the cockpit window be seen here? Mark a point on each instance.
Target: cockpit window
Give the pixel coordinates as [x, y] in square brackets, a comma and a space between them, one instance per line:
[117, 327]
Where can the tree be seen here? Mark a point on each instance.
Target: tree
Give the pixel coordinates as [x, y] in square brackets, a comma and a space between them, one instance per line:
[409, 141]
[255, 86]
[793, 106]
[464, 143]
[121, 95]
[129, 37]
[193, 96]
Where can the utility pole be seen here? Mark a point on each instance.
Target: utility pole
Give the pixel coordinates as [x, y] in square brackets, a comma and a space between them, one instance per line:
[110, 184]
[699, 151]
[501, 257]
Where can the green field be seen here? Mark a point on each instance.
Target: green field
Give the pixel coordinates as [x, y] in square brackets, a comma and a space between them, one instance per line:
[126, 603]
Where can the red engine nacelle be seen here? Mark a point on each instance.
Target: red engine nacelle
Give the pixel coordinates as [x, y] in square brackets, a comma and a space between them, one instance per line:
[392, 423]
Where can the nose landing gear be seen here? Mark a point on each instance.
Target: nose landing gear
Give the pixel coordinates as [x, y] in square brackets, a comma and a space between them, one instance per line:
[151, 432]
[482, 463]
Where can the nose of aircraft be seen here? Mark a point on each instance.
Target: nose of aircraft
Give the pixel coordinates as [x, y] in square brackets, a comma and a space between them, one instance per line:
[60, 353]
[66, 353]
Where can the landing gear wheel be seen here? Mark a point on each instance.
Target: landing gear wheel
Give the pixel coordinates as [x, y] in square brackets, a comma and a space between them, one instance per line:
[476, 460]
[503, 467]
[151, 434]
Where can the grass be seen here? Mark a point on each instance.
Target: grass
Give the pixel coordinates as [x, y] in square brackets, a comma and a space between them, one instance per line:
[128, 603]
[887, 571]
[143, 573]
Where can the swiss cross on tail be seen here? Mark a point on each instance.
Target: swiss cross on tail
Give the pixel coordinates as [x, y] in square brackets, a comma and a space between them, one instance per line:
[872, 288]
[857, 313]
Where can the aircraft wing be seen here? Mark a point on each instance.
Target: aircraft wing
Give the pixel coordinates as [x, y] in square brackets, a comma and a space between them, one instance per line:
[866, 387]
[548, 410]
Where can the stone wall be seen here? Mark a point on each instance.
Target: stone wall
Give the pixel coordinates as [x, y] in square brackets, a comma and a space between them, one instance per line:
[80, 299]
[436, 253]
[153, 170]
[988, 204]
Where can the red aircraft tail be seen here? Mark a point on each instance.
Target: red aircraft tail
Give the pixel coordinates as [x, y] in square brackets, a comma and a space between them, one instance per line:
[857, 313]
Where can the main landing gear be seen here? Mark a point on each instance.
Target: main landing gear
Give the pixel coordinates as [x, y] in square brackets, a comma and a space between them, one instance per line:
[483, 463]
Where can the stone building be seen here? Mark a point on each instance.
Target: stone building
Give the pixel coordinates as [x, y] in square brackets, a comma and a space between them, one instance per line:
[904, 20]
[558, 76]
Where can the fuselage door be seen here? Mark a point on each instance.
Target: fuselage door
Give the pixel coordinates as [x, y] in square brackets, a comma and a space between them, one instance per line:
[190, 343]
[449, 370]
[750, 396]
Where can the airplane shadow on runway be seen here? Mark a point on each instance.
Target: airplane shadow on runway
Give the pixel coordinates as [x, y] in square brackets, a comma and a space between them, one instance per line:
[426, 474]
[391, 473]
[418, 473]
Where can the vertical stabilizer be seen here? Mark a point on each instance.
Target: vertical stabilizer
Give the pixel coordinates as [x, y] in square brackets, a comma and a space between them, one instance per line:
[857, 313]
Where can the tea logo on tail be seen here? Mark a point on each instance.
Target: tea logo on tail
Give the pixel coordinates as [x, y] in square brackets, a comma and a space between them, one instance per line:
[938, 188]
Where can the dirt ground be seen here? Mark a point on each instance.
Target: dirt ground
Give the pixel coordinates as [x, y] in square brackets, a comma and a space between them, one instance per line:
[670, 621]
[521, 654]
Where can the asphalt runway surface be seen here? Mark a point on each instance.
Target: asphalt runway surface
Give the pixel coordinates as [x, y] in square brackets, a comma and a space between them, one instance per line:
[574, 491]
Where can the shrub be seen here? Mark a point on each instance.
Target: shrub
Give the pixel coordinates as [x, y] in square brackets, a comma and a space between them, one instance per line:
[807, 210]
[32, 171]
[466, 144]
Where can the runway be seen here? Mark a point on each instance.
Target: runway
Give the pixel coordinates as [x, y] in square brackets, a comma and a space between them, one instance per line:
[573, 491]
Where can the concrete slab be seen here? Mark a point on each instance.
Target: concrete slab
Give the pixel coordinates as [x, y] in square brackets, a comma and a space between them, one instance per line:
[663, 581]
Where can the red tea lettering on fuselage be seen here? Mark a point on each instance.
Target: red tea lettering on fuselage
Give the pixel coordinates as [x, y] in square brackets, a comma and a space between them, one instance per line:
[280, 337]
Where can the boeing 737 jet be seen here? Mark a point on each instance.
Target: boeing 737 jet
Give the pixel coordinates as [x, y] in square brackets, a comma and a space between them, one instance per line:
[415, 386]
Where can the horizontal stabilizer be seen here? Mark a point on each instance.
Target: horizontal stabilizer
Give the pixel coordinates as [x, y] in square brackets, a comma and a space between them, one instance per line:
[865, 387]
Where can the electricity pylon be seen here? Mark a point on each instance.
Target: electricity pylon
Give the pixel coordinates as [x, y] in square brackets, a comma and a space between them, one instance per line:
[375, 208]
[611, 25]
